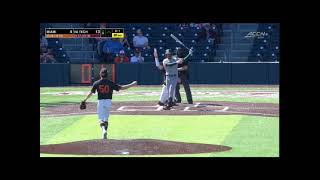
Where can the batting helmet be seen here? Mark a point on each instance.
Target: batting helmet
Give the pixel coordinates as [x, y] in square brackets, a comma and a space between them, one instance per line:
[168, 51]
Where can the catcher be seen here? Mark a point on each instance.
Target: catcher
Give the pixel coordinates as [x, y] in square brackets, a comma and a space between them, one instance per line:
[105, 89]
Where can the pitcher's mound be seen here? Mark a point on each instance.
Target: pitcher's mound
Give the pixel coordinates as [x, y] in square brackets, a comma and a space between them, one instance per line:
[130, 147]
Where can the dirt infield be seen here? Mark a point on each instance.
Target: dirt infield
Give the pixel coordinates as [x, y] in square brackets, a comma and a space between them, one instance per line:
[151, 108]
[130, 147]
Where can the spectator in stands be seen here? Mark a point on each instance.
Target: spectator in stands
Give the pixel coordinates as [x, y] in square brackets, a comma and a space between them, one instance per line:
[192, 25]
[110, 48]
[124, 41]
[184, 25]
[43, 39]
[206, 33]
[140, 41]
[137, 58]
[122, 58]
[99, 42]
[198, 25]
[113, 46]
[47, 56]
[93, 41]
[43, 50]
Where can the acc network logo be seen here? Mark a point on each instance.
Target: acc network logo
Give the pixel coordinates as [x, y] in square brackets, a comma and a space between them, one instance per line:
[259, 35]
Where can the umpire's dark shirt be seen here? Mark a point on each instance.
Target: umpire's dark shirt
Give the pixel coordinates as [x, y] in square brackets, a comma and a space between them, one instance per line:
[184, 72]
[105, 88]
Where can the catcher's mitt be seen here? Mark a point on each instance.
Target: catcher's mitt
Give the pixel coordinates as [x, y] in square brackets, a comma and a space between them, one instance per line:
[83, 105]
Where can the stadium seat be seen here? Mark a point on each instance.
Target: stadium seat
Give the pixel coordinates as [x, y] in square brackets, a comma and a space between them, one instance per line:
[164, 34]
[233, 46]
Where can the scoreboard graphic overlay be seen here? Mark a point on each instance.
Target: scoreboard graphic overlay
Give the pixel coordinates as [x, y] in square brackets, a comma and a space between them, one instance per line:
[84, 33]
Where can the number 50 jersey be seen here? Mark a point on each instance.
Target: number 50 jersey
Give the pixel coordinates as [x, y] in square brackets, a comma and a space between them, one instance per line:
[105, 88]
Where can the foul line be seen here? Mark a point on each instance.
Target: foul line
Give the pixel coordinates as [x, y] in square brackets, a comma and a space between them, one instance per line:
[251, 113]
[223, 110]
[187, 109]
[121, 108]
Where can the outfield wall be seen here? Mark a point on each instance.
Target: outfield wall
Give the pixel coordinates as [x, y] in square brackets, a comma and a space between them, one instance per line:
[54, 74]
[148, 74]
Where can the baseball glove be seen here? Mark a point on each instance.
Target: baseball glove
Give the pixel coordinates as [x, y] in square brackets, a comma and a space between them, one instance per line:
[83, 105]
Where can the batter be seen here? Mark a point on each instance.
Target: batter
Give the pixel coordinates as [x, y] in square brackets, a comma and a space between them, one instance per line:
[164, 93]
[170, 64]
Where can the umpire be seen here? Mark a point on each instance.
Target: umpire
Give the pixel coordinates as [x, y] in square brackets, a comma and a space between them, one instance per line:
[184, 78]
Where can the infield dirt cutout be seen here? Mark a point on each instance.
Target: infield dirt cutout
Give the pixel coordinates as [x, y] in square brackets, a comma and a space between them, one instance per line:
[130, 147]
[151, 108]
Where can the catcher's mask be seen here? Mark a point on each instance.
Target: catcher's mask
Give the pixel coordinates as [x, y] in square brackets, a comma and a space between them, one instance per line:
[104, 73]
[179, 52]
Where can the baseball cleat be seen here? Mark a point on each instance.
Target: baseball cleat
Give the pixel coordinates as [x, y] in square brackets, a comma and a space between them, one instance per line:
[166, 108]
[160, 103]
[104, 135]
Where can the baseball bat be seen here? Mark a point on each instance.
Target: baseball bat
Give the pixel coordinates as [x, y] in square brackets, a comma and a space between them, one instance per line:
[178, 41]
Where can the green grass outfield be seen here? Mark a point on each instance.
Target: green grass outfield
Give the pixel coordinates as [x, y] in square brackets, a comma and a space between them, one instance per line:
[249, 136]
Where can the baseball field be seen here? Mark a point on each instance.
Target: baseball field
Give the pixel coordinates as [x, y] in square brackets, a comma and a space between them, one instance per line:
[224, 121]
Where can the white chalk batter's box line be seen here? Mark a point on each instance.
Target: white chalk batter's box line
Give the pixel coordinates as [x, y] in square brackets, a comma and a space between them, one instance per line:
[125, 108]
[159, 108]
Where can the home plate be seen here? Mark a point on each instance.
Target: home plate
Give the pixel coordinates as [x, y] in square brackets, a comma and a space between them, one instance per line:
[188, 109]
[159, 108]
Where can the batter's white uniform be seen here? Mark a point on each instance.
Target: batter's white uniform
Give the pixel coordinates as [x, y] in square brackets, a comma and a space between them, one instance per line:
[164, 96]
